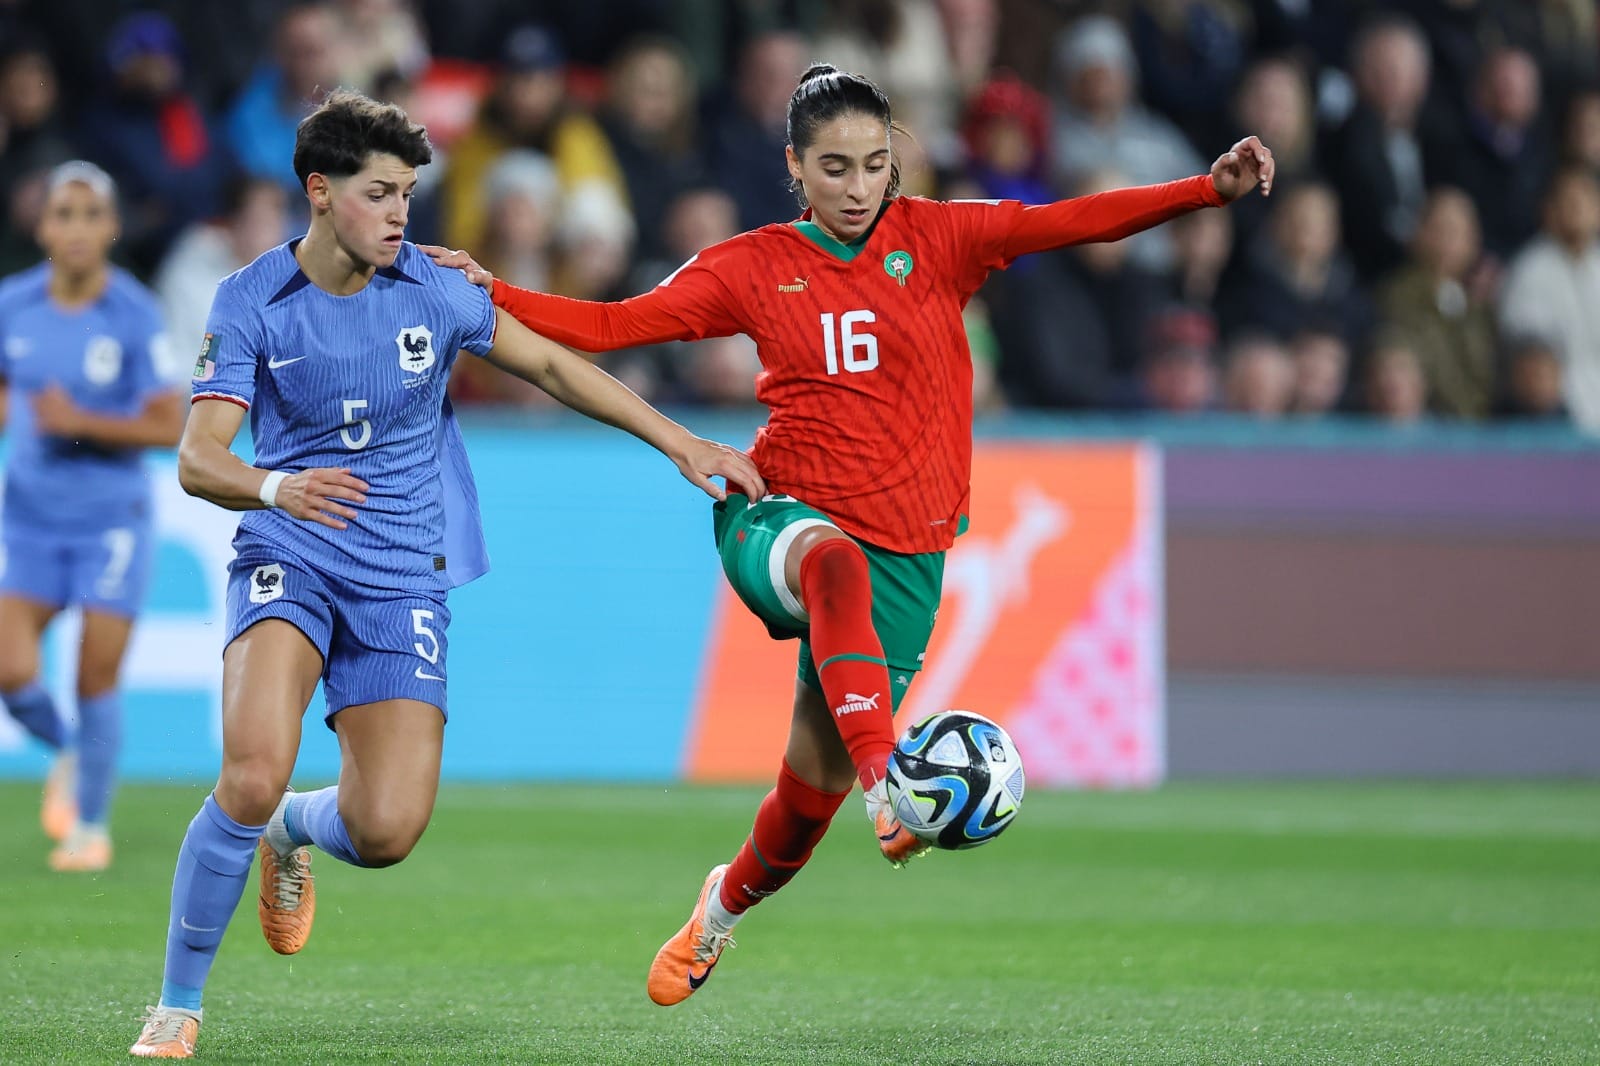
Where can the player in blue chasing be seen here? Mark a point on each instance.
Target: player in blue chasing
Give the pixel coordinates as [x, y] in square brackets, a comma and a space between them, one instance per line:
[361, 515]
[86, 374]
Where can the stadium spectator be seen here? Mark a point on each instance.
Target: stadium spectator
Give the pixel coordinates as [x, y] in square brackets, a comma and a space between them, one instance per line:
[697, 218]
[1297, 274]
[1552, 289]
[746, 131]
[1274, 102]
[1375, 159]
[1533, 383]
[304, 65]
[594, 235]
[255, 218]
[33, 136]
[33, 139]
[1397, 389]
[1501, 155]
[152, 136]
[901, 45]
[1071, 324]
[1258, 376]
[1565, 39]
[527, 108]
[649, 120]
[1100, 123]
[1321, 369]
[1433, 302]
[721, 371]
[378, 37]
[1190, 53]
[1202, 244]
[1179, 373]
[1580, 142]
[523, 197]
[1006, 136]
[971, 34]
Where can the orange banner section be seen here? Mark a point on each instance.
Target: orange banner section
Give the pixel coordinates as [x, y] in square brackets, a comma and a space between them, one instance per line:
[1050, 624]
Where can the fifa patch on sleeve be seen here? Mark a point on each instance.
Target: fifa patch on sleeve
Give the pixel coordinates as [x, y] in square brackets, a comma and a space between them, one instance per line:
[205, 367]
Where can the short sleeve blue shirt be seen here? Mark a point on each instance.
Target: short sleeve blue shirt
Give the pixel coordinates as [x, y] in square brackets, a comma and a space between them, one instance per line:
[357, 381]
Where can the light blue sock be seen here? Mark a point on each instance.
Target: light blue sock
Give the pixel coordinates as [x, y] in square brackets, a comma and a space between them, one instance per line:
[213, 867]
[313, 818]
[33, 708]
[99, 740]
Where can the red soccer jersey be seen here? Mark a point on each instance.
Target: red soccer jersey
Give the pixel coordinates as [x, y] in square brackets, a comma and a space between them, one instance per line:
[866, 376]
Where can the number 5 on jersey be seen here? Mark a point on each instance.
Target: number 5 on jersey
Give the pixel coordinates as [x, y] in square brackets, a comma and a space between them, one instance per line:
[860, 349]
[357, 431]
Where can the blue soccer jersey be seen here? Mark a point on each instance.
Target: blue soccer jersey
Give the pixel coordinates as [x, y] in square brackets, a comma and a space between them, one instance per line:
[357, 381]
[112, 358]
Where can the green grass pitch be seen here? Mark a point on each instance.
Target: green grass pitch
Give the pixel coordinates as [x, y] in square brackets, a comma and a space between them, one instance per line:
[1324, 923]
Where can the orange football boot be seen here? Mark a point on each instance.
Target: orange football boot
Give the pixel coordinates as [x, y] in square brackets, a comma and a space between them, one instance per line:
[685, 962]
[169, 1033]
[288, 899]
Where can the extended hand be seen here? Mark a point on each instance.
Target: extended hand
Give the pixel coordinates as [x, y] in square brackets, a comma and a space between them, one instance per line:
[1244, 166]
[55, 414]
[460, 261]
[703, 459]
[311, 495]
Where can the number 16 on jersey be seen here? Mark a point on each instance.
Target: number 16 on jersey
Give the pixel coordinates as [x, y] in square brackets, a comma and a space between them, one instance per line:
[860, 349]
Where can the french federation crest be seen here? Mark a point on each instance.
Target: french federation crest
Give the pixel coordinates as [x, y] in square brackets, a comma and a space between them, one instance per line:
[266, 584]
[416, 348]
[102, 360]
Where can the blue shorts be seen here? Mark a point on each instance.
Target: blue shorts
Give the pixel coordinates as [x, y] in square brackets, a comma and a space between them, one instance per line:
[107, 571]
[376, 644]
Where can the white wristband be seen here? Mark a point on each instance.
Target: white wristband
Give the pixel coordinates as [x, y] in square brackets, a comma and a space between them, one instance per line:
[269, 486]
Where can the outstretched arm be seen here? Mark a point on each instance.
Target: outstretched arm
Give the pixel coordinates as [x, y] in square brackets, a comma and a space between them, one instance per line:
[589, 390]
[1111, 216]
[690, 305]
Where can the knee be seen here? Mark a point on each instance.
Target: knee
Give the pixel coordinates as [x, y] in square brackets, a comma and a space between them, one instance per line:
[95, 681]
[834, 562]
[385, 842]
[249, 790]
[17, 669]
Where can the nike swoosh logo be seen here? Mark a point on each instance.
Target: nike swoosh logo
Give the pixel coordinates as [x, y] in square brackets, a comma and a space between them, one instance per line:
[696, 982]
[273, 364]
[195, 928]
[427, 677]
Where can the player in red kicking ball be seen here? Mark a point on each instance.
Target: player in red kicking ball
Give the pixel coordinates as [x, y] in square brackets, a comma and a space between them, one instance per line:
[856, 311]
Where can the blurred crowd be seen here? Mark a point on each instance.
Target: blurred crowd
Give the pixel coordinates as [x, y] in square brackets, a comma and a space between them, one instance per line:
[1432, 249]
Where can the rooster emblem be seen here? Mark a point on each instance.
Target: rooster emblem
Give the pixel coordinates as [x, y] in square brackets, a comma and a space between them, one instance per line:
[416, 348]
[266, 584]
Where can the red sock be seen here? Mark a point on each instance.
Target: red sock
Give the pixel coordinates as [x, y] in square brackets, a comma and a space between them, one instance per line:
[837, 588]
[791, 820]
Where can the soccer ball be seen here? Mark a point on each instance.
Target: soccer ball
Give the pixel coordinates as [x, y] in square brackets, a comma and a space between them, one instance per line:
[955, 780]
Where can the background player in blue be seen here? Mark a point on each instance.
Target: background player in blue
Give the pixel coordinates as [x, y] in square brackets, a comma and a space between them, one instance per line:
[85, 369]
[362, 515]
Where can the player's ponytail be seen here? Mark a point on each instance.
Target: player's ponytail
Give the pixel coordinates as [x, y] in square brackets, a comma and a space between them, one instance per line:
[825, 93]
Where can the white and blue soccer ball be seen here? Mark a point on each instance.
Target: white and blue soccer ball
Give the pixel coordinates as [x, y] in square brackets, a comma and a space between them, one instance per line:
[955, 780]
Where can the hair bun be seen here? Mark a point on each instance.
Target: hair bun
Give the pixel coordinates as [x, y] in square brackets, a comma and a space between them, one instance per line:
[818, 70]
